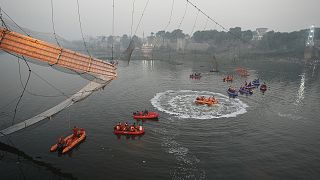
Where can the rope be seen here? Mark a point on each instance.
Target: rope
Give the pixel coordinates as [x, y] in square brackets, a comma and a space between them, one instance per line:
[80, 24]
[53, 28]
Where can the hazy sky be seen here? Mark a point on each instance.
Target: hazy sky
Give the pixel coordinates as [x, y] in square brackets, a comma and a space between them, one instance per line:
[96, 15]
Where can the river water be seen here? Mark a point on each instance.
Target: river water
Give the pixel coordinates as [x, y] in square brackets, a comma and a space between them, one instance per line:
[274, 135]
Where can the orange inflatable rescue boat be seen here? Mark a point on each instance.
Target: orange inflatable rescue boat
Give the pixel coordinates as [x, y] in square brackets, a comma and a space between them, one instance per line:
[69, 142]
[208, 101]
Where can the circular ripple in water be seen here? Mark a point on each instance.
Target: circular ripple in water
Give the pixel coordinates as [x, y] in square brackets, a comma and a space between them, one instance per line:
[181, 103]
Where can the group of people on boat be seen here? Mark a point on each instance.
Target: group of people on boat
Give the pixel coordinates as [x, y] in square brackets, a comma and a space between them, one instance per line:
[242, 72]
[263, 87]
[126, 127]
[245, 88]
[141, 113]
[203, 98]
[246, 84]
[195, 75]
[228, 78]
[232, 89]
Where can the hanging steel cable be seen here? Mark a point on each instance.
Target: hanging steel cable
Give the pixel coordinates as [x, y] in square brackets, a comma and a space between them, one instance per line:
[157, 40]
[144, 10]
[53, 26]
[214, 21]
[129, 50]
[80, 24]
[170, 16]
[188, 1]
[13, 22]
[195, 22]
[2, 21]
[22, 93]
[205, 25]
[112, 46]
[132, 17]
[184, 15]
[20, 45]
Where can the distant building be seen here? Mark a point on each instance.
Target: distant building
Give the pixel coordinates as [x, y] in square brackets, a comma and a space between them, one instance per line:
[146, 50]
[259, 33]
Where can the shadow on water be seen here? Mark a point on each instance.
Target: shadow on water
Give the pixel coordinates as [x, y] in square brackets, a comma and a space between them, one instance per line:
[132, 137]
[37, 163]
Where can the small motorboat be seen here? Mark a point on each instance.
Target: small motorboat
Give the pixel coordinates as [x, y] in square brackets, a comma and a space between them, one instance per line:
[256, 82]
[193, 76]
[263, 88]
[245, 91]
[70, 142]
[136, 131]
[148, 115]
[232, 94]
[228, 79]
[250, 87]
[242, 72]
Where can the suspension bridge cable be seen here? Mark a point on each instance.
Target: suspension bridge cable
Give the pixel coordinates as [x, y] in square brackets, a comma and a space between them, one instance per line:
[14, 23]
[80, 24]
[195, 22]
[2, 21]
[64, 94]
[34, 94]
[144, 9]
[170, 16]
[112, 30]
[184, 15]
[156, 41]
[205, 25]
[211, 19]
[47, 82]
[22, 93]
[53, 27]
[132, 17]
[188, 1]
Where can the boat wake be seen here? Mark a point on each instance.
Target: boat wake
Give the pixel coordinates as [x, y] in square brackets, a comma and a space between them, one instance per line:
[181, 103]
[188, 165]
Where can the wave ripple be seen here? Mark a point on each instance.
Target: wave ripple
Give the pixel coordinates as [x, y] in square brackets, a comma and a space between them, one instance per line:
[181, 103]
